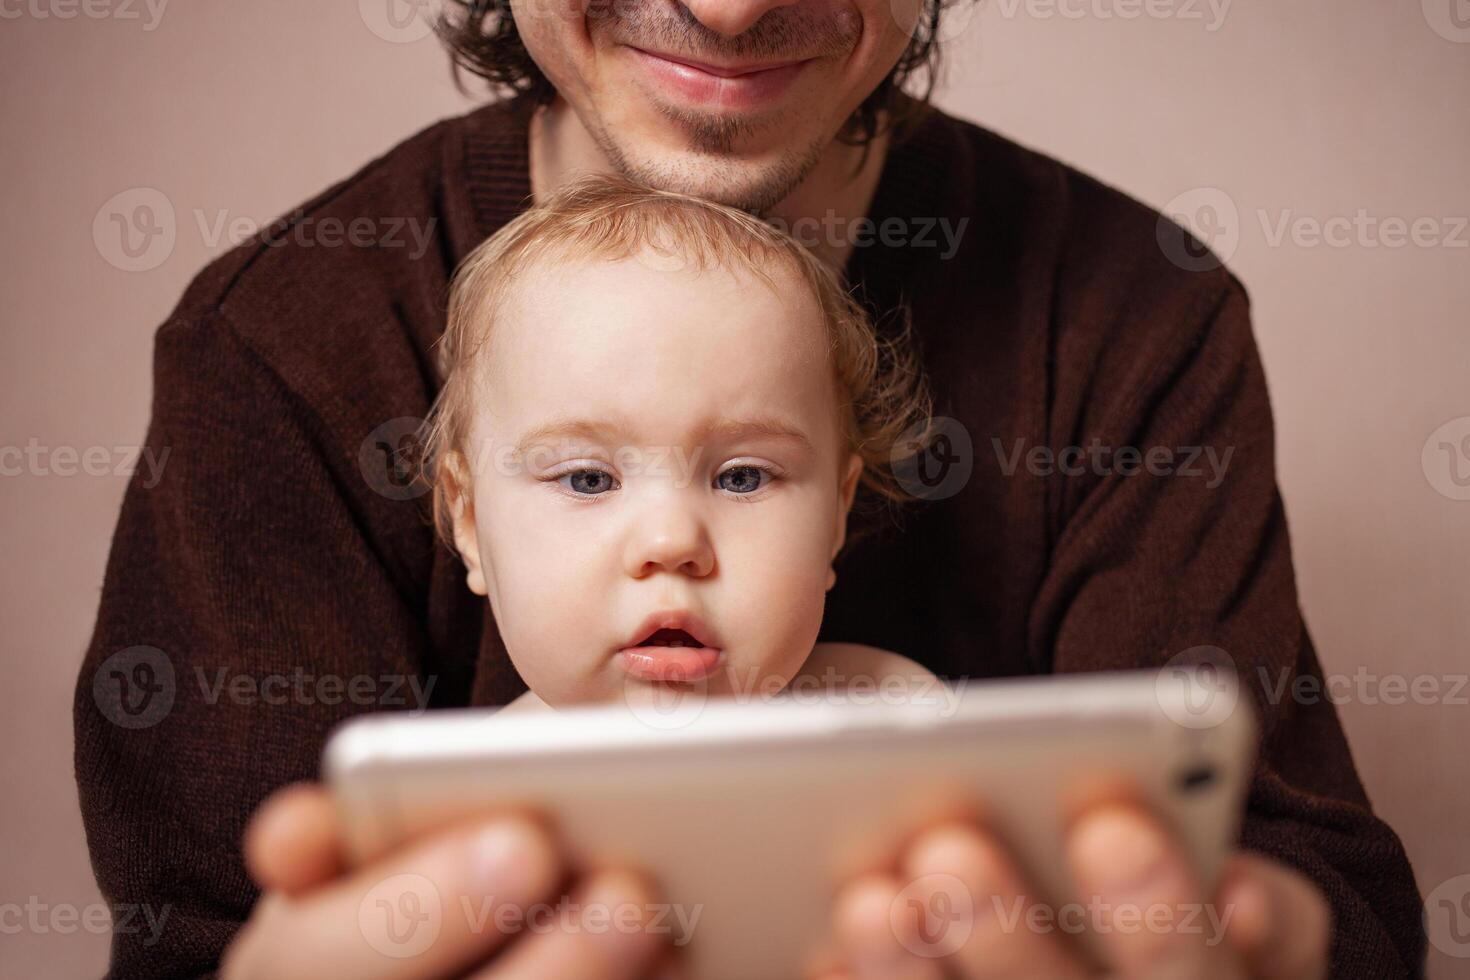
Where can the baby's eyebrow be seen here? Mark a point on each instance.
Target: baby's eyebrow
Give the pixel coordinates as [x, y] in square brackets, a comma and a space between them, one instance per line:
[607, 433]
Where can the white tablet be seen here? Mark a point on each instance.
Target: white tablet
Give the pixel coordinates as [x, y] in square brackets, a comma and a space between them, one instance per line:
[750, 815]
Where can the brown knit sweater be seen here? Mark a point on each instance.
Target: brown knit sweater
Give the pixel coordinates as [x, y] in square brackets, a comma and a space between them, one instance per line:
[284, 580]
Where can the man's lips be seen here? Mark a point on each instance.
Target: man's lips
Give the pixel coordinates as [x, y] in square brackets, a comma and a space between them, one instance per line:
[737, 86]
[724, 71]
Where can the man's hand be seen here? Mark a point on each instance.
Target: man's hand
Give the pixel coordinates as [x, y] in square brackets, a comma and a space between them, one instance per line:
[1267, 921]
[434, 908]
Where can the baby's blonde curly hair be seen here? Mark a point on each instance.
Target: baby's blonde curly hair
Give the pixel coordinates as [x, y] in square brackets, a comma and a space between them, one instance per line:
[885, 398]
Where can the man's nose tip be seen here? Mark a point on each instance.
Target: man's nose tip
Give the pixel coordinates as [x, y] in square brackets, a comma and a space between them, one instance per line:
[732, 17]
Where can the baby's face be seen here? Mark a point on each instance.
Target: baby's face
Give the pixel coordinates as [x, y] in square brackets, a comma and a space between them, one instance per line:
[655, 447]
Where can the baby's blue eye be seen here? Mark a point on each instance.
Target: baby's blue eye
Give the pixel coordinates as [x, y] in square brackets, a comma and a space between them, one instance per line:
[590, 482]
[742, 479]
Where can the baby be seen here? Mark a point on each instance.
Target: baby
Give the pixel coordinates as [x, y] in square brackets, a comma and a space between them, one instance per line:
[656, 414]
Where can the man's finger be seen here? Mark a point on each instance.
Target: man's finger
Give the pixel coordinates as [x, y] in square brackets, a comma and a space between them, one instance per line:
[293, 842]
[1152, 918]
[1282, 923]
[607, 933]
[876, 943]
[974, 900]
[433, 908]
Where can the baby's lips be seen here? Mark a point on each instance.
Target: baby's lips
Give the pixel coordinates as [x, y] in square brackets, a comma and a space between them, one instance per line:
[669, 663]
[679, 620]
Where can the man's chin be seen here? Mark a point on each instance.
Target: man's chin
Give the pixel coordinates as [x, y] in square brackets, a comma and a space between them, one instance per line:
[754, 183]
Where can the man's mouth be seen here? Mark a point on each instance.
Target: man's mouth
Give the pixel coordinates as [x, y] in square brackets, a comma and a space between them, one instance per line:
[731, 70]
[734, 86]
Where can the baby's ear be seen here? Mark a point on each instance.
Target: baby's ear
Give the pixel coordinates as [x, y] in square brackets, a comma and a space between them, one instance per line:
[460, 502]
[846, 491]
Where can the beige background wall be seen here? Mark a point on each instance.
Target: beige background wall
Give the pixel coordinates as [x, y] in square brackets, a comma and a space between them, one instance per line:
[1298, 112]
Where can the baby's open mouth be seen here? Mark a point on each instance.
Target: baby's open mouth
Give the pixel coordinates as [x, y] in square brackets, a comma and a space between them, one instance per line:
[670, 638]
[669, 653]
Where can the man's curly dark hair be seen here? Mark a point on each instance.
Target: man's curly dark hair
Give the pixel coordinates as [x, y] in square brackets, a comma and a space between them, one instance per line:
[482, 37]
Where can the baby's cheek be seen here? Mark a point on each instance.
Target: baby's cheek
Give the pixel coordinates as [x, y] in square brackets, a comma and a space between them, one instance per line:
[550, 619]
[779, 614]
[557, 661]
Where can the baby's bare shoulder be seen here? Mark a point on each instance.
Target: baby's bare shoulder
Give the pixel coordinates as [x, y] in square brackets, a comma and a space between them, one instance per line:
[527, 703]
[856, 661]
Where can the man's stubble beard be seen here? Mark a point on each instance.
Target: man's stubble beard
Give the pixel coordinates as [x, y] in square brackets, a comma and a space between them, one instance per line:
[756, 190]
[786, 32]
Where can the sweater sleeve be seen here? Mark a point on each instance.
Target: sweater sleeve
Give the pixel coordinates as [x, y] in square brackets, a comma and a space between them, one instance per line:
[1150, 565]
[244, 612]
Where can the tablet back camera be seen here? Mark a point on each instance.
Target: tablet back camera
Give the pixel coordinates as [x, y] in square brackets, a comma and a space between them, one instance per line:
[1196, 778]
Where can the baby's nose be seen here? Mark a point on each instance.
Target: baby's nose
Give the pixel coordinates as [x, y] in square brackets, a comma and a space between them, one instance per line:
[670, 541]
